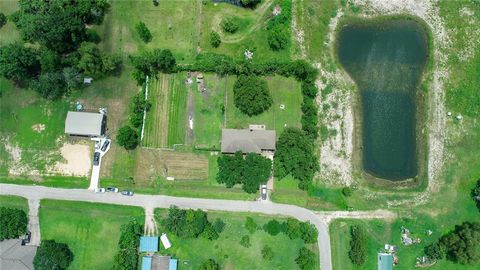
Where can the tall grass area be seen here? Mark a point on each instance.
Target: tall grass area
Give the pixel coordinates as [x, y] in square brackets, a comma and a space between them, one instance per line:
[177, 110]
[90, 230]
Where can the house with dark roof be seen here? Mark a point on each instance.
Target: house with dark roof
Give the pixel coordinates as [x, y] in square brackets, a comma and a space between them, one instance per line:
[255, 139]
[14, 256]
[85, 124]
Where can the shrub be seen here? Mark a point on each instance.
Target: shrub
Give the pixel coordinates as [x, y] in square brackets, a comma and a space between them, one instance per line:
[209, 264]
[306, 259]
[278, 38]
[347, 191]
[149, 63]
[293, 228]
[308, 232]
[127, 255]
[127, 137]
[3, 19]
[267, 253]
[13, 223]
[143, 32]
[219, 225]
[358, 245]
[251, 95]
[476, 194]
[435, 251]
[215, 40]
[245, 241]
[250, 225]
[273, 227]
[52, 255]
[137, 107]
[189, 223]
[209, 232]
[230, 24]
[50, 85]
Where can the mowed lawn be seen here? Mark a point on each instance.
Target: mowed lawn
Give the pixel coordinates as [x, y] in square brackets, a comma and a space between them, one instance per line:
[14, 202]
[8, 33]
[284, 91]
[91, 230]
[228, 252]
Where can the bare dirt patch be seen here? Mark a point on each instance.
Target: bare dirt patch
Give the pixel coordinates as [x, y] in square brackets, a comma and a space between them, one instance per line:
[38, 128]
[77, 160]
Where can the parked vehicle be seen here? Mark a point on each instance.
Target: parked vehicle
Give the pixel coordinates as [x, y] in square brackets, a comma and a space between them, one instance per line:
[112, 189]
[26, 238]
[127, 192]
[96, 158]
[264, 192]
[105, 145]
[99, 190]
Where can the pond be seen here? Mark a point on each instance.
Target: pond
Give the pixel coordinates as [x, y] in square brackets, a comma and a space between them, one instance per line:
[386, 59]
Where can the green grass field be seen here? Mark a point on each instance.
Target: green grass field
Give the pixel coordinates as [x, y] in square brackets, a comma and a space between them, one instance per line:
[14, 202]
[91, 230]
[177, 110]
[227, 250]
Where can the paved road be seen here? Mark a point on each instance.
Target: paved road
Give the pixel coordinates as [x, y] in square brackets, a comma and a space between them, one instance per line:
[320, 220]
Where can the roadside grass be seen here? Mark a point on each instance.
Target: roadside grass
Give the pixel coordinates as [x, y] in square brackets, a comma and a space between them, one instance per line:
[284, 91]
[8, 33]
[90, 230]
[14, 202]
[253, 37]
[58, 181]
[228, 252]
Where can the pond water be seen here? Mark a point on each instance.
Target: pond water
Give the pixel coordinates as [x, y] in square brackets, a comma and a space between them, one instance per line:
[386, 60]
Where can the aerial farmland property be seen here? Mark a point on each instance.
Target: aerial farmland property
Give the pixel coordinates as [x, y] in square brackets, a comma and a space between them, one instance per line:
[240, 134]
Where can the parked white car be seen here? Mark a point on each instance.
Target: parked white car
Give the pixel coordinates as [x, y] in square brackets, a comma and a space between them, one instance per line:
[99, 190]
[264, 192]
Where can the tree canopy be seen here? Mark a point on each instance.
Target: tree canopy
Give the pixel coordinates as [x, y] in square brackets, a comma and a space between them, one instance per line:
[189, 223]
[251, 95]
[462, 244]
[3, 19]
[230, 24]
[50, 85]
[209, 264]
[18, 62]
[151, 63]
[143, 32]
[13, 223]
[250, 171]
[127, 137]
[358, 245]
[52, 255]
[127, 255]
[476, 194]
[306, 259]
[295, 156]
[215, 40]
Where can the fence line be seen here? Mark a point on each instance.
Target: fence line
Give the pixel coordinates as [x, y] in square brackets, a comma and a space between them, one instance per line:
[144, 110]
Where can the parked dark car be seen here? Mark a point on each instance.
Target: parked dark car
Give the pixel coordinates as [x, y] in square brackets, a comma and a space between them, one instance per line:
[26, 238]
[112, 189]
[96, 158]
[105, 145]
[127, 193]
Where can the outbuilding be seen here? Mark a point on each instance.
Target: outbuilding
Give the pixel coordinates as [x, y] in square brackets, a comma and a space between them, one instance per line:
[85, 124]
[385, 261]
[158, 262]
[149, 244]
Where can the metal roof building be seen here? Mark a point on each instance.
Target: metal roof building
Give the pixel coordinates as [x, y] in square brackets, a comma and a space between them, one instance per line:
[248, 140]
[146, 263]
[85, 124]
[148, 244]
[158, 262]
[385, 261]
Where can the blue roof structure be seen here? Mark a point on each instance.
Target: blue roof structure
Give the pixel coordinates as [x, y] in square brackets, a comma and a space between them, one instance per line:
[173, 264]
[146, 263]
[385, 261]
[149, 244]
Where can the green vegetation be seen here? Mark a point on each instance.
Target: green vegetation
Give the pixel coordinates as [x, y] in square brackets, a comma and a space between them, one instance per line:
[95, 63]
[88, 229]
[127, 255]
[278, 28]
[250, 172]
[52, 255]
[150, 63]
[17, 62]
[306, 259]
[230, 24]
[14, 202]
[177, 110]
[476, 194]
[250, 225]
[251, 95]
[267, 253]
[245, 241]
[143, 32]
[358, 245]
[460, 245]
[227, 250]
[127, 137]
[273, 227]
[189, 223]
[209, 264]
[3, 19]
[13, 223]
[215, 40]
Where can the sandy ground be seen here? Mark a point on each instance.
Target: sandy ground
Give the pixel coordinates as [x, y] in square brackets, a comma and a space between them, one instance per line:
[77, 160]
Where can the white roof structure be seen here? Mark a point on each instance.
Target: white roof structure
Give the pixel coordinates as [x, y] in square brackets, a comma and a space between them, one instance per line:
[165, 242]
[85, 124]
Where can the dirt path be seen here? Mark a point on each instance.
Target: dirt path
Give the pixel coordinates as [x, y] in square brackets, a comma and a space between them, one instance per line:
[33, 222]
[189, 135]
[150, 223]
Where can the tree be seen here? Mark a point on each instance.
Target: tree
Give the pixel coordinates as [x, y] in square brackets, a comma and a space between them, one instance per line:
[50, 85]
[309, 232]
[18, 62]
[73, 77]
[295, 156]
[306, 259]
[215, 40]
[143, 32]
[111, 63]
[219, 225]
[3, 19]
[127, 255]
[435, 251]
[245, 241]
[358, 245]
[52, 255]
[189, 223]
[250, 225]
[273, 227]
[250, 3]
[251, 95]
[230, 169]
[476, 194]
[461, 245]
[293, 228]
[209, 264]
[127, 137]
[90, 59]
[50, 61]
[209, 232]
[13, 223]
[149, 63]
[256, 172]
[267, 253]
[230, 24]
[278, 38]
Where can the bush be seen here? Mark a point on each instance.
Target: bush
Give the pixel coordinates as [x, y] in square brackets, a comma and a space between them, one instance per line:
[95, 63]
[251, 95]
[143, 32]
[137, 106]
[215, 40]
[476, 194]
[230, 24]
[293, 228]
[50, 85]
[245, 241]
[267, 253]
[219, 225]
[347, 191]
[3, 19]
[435, 251]
[308, 232]
[358, 245]
[273, 227]
[13, 223]
[189, 223]
[52, 255]
[127, 137]
[461, 245]
[250, 225]
[209, 232]
[209, 264]
[127, 255]
[306, 259]
[278, 38]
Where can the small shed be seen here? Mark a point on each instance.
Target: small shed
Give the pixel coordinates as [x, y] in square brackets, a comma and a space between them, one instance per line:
[87, 80]
[148, 244]
[165, 242]
[385, 261]
[146, 263]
